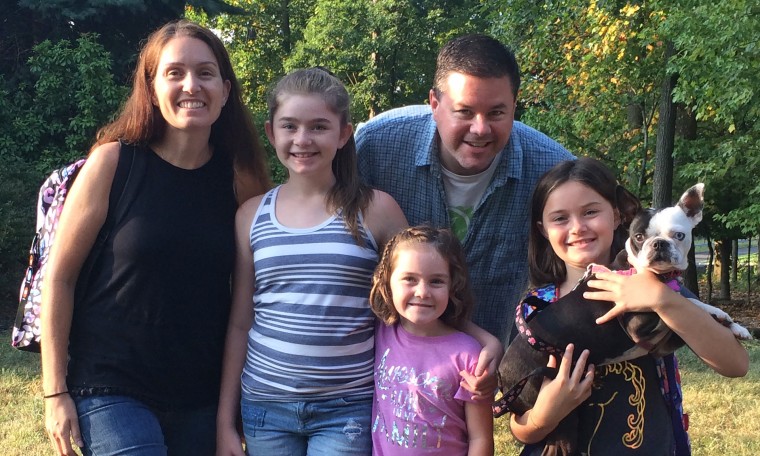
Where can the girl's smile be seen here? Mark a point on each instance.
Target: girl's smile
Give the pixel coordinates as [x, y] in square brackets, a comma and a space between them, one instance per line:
[420, 285]
[579, 224]
[306, 133]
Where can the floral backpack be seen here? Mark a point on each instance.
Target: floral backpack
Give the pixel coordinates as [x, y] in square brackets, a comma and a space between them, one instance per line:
[52, 195]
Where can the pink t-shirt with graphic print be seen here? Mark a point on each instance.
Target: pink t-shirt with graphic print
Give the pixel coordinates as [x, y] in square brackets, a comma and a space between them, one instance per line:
[418, 406]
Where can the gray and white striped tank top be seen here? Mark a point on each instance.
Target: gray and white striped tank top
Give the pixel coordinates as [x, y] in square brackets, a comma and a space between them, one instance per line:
[313, 331]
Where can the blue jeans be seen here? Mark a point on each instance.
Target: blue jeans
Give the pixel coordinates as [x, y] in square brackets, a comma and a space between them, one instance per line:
[121, 425]
[324, 428]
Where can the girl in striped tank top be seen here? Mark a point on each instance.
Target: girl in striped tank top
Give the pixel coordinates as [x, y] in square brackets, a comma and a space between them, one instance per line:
[300, 344]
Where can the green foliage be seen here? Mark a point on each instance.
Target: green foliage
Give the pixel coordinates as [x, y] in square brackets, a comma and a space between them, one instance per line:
[387, 58]
[592, 77]
[44, 123]
[718, 62]
[53, 119]
[18, 193]
[258, 41]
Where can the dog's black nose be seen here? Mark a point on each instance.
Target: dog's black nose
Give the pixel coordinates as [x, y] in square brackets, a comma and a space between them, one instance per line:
[660, 245]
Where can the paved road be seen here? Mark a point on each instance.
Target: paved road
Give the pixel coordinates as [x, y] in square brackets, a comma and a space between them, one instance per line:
[702, 253]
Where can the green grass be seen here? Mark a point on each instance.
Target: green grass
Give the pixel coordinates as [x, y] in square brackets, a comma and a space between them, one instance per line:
[21, 408]
[724, 413]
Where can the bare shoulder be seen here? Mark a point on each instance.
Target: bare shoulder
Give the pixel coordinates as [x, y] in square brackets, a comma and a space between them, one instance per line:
[104, 157]
[247, 210]
[94, 180]
[384, 217]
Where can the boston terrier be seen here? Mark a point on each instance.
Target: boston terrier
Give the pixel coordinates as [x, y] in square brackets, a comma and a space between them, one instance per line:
[659, 241]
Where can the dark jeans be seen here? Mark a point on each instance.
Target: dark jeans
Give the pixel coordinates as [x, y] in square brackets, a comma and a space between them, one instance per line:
[121, 425]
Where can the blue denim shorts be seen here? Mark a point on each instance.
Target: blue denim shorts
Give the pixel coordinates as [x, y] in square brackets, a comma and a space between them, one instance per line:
[122, 425]
[328, 427]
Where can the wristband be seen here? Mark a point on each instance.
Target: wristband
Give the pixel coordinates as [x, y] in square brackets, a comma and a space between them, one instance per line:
[55, 394]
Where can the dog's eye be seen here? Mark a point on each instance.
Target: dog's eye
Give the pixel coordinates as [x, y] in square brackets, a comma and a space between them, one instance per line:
[679, 236]
[638, 237]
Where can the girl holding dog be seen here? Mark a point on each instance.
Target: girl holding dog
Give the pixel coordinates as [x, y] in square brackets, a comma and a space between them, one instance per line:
[580, 216]
[421, 295]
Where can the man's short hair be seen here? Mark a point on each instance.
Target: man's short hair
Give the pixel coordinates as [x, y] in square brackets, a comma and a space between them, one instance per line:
[476, 55]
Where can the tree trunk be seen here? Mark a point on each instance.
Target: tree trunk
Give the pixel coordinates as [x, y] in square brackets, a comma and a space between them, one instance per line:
[749, 271]
[686, 125]
[662, 193]
[724, 257]
[287, 41]
[373, 58]
[710, 260]
[690, 277]
[734, 260]
[645, 147]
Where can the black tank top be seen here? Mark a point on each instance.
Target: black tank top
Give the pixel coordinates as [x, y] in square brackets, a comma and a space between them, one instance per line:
[152, 321]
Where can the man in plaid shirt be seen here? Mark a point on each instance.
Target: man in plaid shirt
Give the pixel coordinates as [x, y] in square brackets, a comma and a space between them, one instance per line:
[463, 162]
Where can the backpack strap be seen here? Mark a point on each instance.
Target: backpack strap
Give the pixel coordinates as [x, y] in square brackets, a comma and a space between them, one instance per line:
[126, 184]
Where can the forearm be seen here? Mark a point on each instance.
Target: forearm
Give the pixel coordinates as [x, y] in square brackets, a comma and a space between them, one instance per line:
[480, 447]
[644, 292]
[234, 359]
[526, 431]
[712, 342]
[58, 305]
[484, 338]
[479, 420]
[492, 351]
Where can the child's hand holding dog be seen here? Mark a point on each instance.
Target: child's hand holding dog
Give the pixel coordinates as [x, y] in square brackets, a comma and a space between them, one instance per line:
[712, 342]
[626, 293]
[556, 399]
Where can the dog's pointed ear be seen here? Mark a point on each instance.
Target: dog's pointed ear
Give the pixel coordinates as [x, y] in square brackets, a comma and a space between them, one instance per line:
[692, 202]
[627, 204]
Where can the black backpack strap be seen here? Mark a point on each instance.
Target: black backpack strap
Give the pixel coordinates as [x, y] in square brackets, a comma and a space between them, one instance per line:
[126, 184]
[503, 404]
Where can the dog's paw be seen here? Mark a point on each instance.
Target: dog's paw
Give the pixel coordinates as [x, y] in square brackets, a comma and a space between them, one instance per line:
[740, 332]
[719, 315]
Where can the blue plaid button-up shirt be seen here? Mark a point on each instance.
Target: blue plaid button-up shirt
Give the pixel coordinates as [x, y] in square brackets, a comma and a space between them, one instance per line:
[398, 154]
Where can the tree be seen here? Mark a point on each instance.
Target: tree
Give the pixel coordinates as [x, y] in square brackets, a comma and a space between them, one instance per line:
[591, 73]
[52, 119]
[47, 121]
[666, 131]
[121, 24]
[598, 78]
[387, 58]
[718, 60]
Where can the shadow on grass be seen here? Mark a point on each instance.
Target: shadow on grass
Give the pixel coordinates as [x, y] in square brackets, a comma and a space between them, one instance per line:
[15, 362]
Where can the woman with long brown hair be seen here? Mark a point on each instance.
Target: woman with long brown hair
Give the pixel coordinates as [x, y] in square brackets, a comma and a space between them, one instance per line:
[133, 360]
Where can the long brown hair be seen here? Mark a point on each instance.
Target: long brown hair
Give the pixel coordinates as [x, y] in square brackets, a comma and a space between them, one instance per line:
[233, 133]
[544, 266]
[349, 194]
[447, 245]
